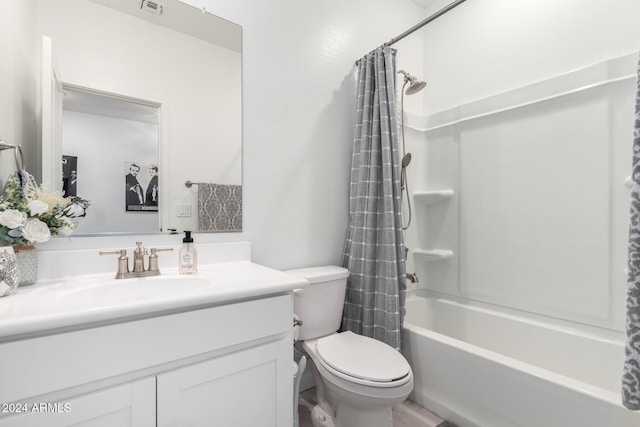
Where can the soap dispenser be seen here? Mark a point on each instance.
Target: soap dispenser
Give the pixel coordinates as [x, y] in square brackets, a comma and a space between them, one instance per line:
[188, 256]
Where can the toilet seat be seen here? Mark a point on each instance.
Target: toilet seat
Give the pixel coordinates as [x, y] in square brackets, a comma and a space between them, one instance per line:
[363, 360]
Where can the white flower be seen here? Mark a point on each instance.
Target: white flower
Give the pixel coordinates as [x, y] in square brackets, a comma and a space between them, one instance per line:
[37, 207]
[12, 218]
[36, 231]
[74, 210]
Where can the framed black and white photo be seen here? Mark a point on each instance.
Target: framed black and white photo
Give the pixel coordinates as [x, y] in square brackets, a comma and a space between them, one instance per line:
[141, 187]
[69, 176]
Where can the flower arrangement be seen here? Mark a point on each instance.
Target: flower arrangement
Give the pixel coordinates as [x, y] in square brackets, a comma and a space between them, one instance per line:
[29, 215]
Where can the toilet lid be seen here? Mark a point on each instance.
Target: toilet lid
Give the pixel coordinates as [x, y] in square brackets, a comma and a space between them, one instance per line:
[362, 357]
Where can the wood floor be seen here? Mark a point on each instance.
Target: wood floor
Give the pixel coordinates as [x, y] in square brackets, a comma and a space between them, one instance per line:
[405, 414]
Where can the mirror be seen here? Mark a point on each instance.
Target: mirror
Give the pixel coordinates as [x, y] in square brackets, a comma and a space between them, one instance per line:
[148, 89]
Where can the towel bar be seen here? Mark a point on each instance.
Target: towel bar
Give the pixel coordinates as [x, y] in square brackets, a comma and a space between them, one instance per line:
[189, 183]
[4, 145]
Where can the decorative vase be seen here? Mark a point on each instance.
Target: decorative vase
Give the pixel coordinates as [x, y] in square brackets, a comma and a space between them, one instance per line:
[27, 259]
[8, 271]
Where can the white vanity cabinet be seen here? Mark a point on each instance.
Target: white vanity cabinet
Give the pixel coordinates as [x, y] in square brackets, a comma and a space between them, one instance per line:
[125, 405]
[226, 365]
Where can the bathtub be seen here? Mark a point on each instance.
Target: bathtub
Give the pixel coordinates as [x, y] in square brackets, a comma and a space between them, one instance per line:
[476, 366]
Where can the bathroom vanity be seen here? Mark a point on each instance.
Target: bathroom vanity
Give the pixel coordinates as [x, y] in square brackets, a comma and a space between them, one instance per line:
[212, 349]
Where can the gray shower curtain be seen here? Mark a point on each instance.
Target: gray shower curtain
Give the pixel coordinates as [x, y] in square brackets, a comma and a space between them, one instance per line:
[374, 248]
[631, 371]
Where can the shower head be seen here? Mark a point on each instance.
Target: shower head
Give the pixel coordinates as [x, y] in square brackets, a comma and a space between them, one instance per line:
[415, 85]
[406, 159]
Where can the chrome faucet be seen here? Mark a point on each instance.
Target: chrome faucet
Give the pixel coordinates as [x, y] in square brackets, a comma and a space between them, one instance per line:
[139, 254]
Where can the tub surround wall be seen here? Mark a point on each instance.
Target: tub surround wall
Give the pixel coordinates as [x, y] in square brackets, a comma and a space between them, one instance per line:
[521, 47]
[536, 213]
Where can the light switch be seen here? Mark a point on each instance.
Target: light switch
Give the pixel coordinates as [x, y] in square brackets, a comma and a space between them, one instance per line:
[184, 211]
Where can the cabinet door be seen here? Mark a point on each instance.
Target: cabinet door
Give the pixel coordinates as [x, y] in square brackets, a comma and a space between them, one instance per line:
[132, 404]
[249, 388]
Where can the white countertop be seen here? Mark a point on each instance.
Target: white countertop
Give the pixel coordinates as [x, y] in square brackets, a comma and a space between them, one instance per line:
[86, 300]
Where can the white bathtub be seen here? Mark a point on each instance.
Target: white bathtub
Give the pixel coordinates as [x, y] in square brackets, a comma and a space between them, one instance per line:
[478, 367]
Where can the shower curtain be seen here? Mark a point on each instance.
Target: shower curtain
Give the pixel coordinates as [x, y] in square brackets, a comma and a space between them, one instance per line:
[374, 248]
[631, 371]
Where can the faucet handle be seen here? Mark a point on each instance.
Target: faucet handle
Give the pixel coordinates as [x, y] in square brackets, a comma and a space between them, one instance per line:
[121, 252]
[123, 262]
[154, 250]
[153, 258]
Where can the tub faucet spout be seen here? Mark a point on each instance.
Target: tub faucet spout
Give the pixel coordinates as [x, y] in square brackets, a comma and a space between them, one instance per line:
[412, 277]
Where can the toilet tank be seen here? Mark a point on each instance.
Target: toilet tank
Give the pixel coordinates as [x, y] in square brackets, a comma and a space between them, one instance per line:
[319, 305]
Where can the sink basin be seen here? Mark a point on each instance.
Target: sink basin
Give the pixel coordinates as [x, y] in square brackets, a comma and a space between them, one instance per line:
[136, 289]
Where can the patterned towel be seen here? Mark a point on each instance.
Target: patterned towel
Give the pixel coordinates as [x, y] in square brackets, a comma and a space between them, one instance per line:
[27, 181]
[219, 207]
[631, 372]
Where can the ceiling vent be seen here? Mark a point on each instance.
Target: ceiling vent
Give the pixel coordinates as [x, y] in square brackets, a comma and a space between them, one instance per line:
[151, 6]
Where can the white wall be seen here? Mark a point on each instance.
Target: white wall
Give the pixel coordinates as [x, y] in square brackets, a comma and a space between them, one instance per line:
[18, 77]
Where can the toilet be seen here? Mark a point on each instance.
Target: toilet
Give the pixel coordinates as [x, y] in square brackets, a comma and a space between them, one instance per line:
[358, 379]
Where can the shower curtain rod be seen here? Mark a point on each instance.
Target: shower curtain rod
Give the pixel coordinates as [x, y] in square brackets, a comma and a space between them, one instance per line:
[421, 24]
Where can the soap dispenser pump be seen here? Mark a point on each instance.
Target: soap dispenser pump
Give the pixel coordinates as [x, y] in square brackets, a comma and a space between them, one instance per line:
[188, 255]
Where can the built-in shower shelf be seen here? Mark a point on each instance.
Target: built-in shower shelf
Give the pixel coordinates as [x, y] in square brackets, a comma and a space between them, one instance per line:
[433, 254]
[431, 197]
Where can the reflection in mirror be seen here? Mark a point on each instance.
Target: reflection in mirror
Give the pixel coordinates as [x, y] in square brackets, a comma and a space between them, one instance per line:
[105, 141]
[184, 67]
